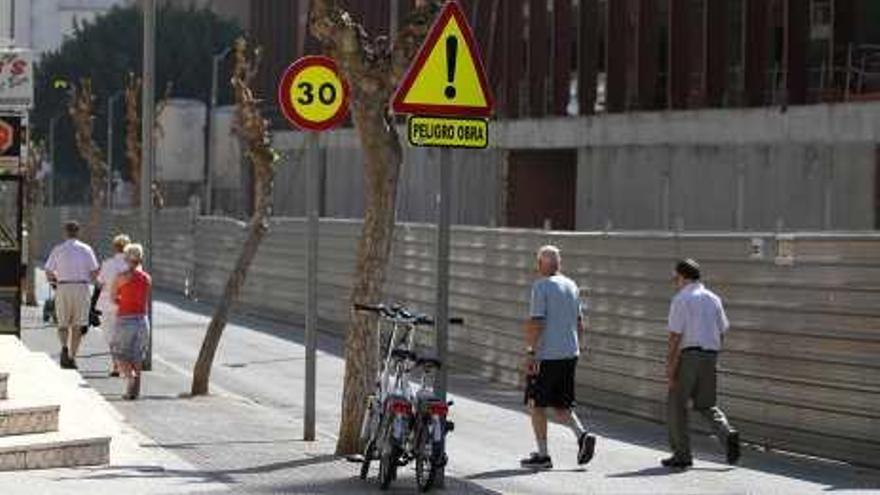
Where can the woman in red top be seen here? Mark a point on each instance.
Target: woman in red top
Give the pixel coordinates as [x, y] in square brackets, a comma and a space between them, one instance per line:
[131, 291]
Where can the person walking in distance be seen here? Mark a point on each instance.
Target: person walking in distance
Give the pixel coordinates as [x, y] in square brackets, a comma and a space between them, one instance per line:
[554, 334]
[697, 325]
[71, 267]
[110, 269]
[128, 344]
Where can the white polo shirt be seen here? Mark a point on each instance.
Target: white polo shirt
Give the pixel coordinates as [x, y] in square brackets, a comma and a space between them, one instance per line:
[110, 269]
[72, 261]
[698, 315]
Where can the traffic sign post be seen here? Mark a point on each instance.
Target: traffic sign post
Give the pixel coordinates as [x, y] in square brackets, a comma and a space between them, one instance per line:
[313, 97]
[447, 96]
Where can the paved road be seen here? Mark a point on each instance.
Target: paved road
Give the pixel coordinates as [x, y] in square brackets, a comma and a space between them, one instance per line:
[247, 434]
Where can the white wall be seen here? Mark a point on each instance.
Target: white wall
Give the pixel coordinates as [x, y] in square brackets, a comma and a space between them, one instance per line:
[180, 150]
[46, 23]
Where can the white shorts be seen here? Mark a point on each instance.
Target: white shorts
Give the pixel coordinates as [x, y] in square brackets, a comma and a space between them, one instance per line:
[72, 305]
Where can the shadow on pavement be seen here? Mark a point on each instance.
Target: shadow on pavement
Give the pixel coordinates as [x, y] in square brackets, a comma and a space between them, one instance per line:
[662, 471]
[511, 473]
[355, 485]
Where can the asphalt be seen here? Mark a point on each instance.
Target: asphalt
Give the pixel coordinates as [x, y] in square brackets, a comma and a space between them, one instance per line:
[246, 436]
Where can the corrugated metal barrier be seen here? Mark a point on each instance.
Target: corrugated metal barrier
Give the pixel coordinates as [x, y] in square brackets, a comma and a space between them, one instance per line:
[800, 369]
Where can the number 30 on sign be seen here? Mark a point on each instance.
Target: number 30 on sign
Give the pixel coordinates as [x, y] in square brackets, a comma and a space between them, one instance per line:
[312, 94]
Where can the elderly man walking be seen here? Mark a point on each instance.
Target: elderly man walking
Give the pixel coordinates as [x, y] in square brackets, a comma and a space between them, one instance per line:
[697, 325]
[554, 332]
[71, 266]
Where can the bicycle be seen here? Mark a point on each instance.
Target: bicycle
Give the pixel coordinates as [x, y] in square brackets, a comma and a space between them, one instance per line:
[386, 425]
[404, 422]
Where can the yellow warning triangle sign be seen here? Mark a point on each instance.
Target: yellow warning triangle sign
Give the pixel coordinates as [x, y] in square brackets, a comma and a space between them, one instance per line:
[447, 77]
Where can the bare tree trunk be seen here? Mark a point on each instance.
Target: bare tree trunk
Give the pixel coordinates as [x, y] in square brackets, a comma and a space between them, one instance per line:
[257, 229]
[373, 68]
[133, 135]
[81, 110]
[252, 128]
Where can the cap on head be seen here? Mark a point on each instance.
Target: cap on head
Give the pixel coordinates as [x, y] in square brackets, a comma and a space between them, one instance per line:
[71, 228]
[688, 269]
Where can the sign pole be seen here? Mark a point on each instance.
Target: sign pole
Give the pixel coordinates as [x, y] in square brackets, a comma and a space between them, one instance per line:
[443, 245]
[313, 97]
[147, 124]
[313, 184]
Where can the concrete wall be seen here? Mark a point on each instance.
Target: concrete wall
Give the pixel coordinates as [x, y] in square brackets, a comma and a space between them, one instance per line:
[809, 167]
[799, 371]
[477, 184]
[180, 146]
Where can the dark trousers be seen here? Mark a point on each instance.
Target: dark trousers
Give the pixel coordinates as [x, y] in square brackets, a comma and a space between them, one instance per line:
[695, 380]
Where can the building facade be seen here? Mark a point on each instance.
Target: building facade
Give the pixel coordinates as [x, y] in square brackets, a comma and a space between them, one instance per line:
[43, 25]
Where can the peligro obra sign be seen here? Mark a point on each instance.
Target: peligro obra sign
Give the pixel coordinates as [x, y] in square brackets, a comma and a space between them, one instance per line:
[448, 132]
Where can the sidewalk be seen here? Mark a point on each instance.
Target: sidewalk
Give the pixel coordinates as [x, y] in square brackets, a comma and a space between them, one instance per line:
[246, 435]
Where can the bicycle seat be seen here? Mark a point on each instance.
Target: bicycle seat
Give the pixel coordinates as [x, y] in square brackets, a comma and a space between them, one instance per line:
[404, 355]
[429, 362]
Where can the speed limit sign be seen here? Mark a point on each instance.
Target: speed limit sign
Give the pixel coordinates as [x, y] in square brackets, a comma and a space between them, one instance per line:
[312, 94]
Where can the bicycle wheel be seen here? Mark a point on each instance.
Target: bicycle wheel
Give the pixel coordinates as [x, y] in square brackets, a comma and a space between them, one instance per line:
[425, 473]
[388, 467]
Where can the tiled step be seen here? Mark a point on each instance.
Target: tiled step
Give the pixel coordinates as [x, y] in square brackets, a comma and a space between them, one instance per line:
[22, 419]
[52, 450]
[4, 380]
[44, 398]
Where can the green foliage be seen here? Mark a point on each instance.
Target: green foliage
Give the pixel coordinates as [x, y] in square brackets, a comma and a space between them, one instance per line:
[108, 49]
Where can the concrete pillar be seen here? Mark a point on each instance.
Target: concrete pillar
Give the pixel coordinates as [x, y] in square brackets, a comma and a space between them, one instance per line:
[647, 53]
[797, 27]
[514, 31]
[616, 47]
[539, 57]
[588, 55]
[717, 38]
[757, 51]
[562, 45]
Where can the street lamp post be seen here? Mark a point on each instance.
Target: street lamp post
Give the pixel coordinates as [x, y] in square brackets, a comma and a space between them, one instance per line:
[147, 143]
[111, 100]
[209, 129]
[53, 121]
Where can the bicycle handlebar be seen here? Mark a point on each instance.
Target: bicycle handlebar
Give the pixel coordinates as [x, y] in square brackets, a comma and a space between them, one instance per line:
[401, 312]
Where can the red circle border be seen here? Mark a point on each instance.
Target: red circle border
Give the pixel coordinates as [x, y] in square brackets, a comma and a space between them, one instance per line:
[287, 79]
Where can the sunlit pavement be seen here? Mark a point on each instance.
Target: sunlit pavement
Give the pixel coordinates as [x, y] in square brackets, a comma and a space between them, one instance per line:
[246, 435]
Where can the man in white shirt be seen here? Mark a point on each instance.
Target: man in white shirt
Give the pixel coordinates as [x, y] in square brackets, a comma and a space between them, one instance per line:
[110, 269]
[697, 325]
[71, 266]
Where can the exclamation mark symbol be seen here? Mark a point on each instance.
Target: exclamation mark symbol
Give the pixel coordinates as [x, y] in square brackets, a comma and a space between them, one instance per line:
[451, 55]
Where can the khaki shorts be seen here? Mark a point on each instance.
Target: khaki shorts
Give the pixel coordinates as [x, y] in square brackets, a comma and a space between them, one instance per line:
[72, 305]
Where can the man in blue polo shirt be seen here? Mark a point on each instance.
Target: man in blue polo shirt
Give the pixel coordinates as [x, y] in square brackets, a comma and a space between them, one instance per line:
[553, 333]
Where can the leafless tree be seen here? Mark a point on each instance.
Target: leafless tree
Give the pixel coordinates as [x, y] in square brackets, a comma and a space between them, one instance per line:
[253, 131]
[81, 109]
[373, 67]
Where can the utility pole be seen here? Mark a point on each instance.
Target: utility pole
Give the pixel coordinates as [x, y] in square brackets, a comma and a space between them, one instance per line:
[210, 129]
[147, 128]
[110, 121]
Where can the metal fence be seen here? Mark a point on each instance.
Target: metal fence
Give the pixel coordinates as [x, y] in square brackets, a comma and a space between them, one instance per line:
[799, 372]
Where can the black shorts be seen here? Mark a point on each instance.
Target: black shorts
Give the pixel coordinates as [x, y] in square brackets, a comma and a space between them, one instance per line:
[553, 386]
